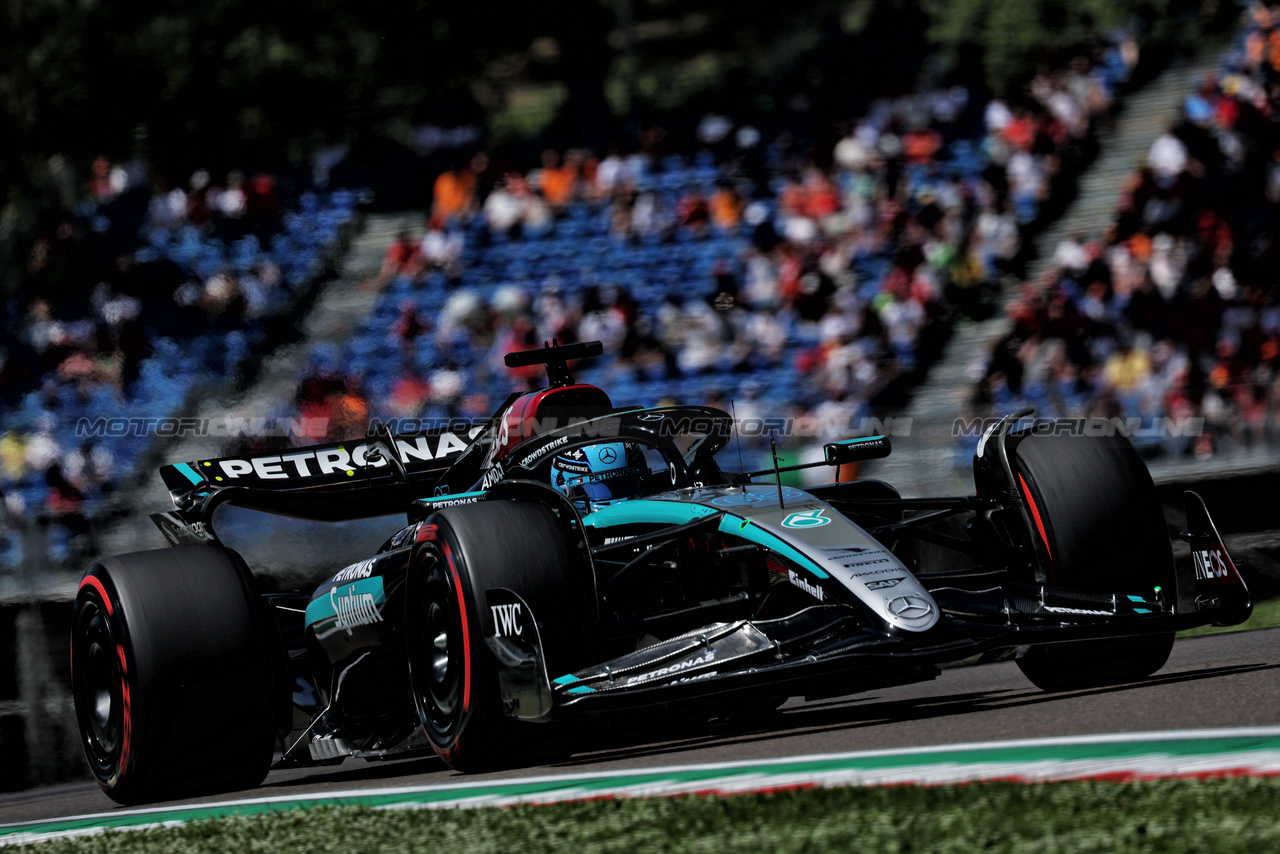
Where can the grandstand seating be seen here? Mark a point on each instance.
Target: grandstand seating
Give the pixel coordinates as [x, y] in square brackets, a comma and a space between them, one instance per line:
[666, 276]
[177, 369]
[677, 297]
[1174, 314]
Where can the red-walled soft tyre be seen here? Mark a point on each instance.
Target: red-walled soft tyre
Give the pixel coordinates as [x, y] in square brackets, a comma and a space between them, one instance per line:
[1101, 526]
[497, 544]
[172, 674]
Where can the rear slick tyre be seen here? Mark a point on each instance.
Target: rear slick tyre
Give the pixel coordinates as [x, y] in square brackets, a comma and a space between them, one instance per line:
[1100, 525]
[172, 674]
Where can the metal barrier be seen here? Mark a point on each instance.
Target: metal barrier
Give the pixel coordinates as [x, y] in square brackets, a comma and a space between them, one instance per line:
[39, 739]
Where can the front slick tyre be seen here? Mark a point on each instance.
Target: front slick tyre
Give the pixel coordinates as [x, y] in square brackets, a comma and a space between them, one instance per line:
[506, 544]
[1101, 526]
[171, 674]
[1092, 664]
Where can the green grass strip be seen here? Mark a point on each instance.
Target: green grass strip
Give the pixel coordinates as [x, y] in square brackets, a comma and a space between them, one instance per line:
[1266, 615]
[602, 785]
[1232, 814]
[1116, 756]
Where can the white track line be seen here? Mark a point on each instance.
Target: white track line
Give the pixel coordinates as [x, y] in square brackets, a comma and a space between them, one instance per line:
[1261, 761]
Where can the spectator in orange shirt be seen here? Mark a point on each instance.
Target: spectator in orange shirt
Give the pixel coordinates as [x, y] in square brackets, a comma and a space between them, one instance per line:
[557, 182]
[726, 208]
[1262, 47]
[454, 193]
[349, 415]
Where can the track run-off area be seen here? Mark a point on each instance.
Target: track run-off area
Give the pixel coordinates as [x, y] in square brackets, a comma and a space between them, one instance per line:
[1213, 710]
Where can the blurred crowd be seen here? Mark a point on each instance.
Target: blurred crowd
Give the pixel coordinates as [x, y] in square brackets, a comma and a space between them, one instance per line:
[1174, 311]
[746, 270]
[787, 280]
[139, 297]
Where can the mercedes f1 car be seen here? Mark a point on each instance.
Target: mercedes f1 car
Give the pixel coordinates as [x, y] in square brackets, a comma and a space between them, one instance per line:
[463, 590]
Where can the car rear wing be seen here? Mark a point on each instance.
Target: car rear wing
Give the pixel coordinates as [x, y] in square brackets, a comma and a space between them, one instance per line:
[332, 466]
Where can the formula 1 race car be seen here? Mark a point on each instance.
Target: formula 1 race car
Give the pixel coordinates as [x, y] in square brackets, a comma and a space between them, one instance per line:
[464, 590]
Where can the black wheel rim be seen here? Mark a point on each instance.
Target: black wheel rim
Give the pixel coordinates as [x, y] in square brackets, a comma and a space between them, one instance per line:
[442, 645]
[437, 661]
[98, 688]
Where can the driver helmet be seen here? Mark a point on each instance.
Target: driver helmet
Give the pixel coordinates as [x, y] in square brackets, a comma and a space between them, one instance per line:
[600, 474]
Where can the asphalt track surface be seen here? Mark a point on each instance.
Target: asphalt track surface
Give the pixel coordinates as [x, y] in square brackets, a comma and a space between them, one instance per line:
[1230, 680]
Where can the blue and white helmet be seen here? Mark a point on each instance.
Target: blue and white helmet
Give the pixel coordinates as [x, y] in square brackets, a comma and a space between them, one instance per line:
[600, 474]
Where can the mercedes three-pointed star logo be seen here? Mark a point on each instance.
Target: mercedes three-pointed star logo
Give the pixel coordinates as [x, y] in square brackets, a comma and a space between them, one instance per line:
[909, 607]
[608, 455]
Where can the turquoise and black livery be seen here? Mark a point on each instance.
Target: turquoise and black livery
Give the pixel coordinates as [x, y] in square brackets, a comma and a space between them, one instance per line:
[499, 600]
